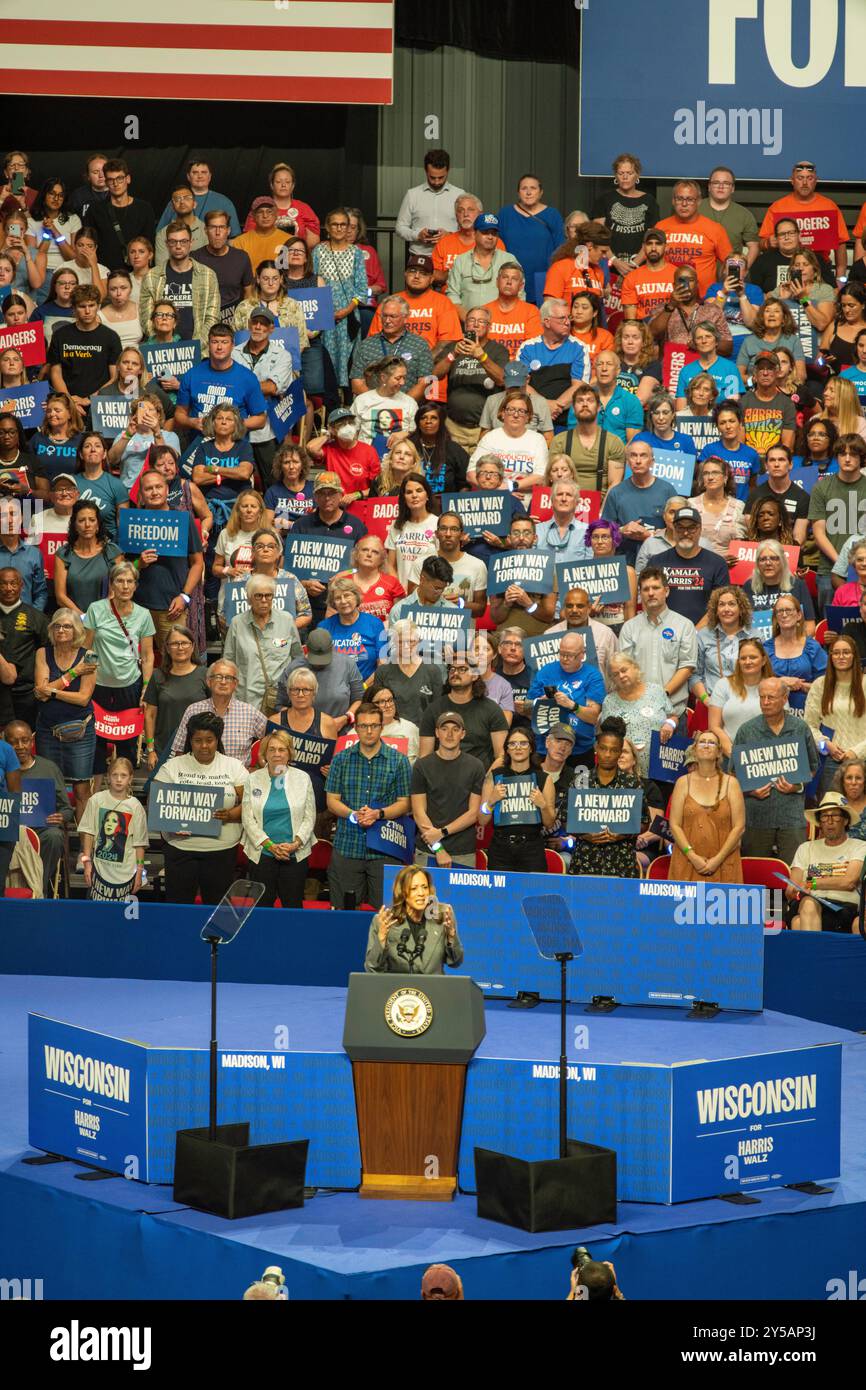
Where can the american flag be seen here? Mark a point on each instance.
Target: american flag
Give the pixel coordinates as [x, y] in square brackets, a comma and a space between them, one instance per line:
[256, 50]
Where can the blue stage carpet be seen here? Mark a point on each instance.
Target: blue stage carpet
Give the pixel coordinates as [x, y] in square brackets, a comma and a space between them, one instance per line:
[121, 1239]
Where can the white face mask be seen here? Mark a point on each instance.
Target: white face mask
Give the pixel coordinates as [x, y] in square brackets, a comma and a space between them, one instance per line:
[347, 432]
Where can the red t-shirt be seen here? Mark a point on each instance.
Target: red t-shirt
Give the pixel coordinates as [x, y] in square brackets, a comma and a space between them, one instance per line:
[381, 596]
[356, 467]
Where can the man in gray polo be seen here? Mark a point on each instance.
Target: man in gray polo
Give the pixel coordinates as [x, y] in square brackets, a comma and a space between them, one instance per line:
[664, 644]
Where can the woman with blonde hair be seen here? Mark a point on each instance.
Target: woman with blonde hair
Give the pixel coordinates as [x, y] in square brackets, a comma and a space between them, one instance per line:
[850, 780]
[842, 406]
[560, 468]
[146, 430]
[729, 622]
[771, 578]
[63, 685]
[735, 698]
[401, 459]
[707, 817]
[278, 815]
[379, 590]
[55, 442]
[293, 215]
[396, 944]
[233, 552]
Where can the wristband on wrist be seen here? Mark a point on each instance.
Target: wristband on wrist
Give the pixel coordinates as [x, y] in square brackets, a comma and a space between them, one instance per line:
[532, 607]
[187, 599]
[486, 808]
[148, 743]
[353, 817]
[434, 849]
[450, 357]
[483, 357]
[350, 716]
[672, 723]
[687, 849]
[704, 699]
[86, 859]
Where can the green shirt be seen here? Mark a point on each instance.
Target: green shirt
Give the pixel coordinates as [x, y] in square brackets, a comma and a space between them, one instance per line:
[737, 221]
[119, 661]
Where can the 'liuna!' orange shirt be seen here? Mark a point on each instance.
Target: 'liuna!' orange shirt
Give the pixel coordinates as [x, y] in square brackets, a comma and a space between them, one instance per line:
[431, 316]
[647, 288]
[822, 226]
[698, 243]
[511, 327]
[452, 245]
[565, 279]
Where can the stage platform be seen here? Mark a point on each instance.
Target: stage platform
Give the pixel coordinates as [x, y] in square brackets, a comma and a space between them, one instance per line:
[115, 1238]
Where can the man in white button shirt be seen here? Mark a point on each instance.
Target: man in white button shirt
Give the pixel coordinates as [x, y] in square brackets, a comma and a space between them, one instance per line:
[664, 644]
[427, 211]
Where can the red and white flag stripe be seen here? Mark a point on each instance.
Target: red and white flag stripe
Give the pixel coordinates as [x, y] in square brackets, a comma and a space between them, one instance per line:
[255, 50]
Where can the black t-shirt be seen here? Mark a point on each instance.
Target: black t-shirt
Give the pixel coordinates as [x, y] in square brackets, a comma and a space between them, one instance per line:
[772, 269]
[691, 581]
[136, 219]
[630, 377]
[796, 500]
[448, 784]
[25, 630]
[628, 216]
[481, 717]
[178, 291]
[160, 583]
[469, 384]
[233, 271]
[84, 357]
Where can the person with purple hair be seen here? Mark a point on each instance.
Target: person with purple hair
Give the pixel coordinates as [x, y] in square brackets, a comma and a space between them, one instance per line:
[605, 539]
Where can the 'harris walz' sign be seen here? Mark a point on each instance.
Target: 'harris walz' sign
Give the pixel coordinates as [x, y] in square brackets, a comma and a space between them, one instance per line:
[480, 511]
[594, 809]
[166, 532]
[531, 569]
[317, 557]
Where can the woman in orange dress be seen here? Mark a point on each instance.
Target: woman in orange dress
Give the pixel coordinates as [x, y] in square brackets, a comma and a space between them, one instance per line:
[707, 818]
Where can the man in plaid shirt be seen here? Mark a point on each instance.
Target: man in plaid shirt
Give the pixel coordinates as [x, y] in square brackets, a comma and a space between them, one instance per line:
[242, 723]
[367, 783]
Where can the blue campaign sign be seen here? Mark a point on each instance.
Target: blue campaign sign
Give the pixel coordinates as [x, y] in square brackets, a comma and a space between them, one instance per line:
[236, 600]
[395, 838]
[38, 800]
[538, 651]
[673, 466]
[644, 942]
[317, 303]
[748, 1123]
[165, 532]
[308, 751]
[762, 623]
[10, 817]
[754, 90]
[317, 557]
[87, 1096]
[171, 359]
[440, 629]
[699, 428]
[546, 713]
[27, 403]
[480, 511]
[289, 337]
[531, 569]
[604, 579]
[758, 765]
[110, 414]
[838, 614]
[593, 809]
[189, 810]
[284, 411]
[667, 761]
[516, 806]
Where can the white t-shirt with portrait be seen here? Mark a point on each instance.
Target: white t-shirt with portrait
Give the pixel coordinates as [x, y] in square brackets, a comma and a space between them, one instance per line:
[384, 415]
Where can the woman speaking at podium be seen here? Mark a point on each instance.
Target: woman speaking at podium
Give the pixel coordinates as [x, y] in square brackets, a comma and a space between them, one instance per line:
[415, 935]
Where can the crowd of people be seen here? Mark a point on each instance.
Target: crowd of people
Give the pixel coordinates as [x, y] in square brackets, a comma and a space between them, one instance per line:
[679, 399]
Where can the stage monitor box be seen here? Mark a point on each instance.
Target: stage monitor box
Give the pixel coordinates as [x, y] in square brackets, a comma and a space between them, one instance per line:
[231, 1177]
[554, 1194]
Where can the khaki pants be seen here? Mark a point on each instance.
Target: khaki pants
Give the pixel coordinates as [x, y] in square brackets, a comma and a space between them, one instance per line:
[162, 622]
[461, 434]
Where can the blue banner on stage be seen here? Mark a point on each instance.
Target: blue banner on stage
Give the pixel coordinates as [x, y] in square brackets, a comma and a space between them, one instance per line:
[516, 806]
[38, 801]
[171, 359]
[592, 810]
[27, 403]
[110, 414]
[173, 809]
[644, 942]
[760, 764]
[759, 86]
[480, 511]
[531, 569]
[317, 304]
[667, 761]
[287, 410]
[10, 817]
[393, 837]
[604, 579]
[165, 532]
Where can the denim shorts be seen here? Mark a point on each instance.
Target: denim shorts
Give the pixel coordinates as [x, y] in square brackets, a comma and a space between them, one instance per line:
[75, 760]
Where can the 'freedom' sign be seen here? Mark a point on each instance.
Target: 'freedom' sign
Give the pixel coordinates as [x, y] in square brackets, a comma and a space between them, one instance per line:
[594, 809]
[317, 305]
[111, 414]
[165, 532]
[531, 569]
[317, 557]
[759, 764]
[604, 579]
[673, 466]
[185, 810]
[27, 403]
[480, 511]
[28, 338]
[171, 359]
[516, 806]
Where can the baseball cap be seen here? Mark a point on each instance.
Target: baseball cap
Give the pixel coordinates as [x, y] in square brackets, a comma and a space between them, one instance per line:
[486, 222]
[327, 480]
[450, 716]
[342, 412]
[266, 201]
[766, 357]
[655, 234]
[260, 312]
[64, 478]
[564, 731]
[320, 648]
[424, 263]
[441, 1282]
[804, 164]
[687, 514]
[515, 374]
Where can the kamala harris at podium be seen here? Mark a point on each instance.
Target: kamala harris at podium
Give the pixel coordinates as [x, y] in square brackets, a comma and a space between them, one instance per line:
[408, 938]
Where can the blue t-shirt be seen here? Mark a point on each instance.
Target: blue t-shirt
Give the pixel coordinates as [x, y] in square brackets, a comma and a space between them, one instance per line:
[52, 458]
[287, 503]
[625, 503]
[226, 463]
[572, 354]
[8, 762]
[277, 818]
[364, 641]
[723, 371]
[583, 685]
[858, 377]
[107, 492]
[531, 241]
[202, 388]
[744, 462]
[622, 412]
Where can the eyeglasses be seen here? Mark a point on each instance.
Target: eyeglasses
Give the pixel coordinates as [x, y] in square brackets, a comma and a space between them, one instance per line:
[385, 700]
[116, 178]
[218, 676]
[181, 642]
[520, 743]
[165, 314]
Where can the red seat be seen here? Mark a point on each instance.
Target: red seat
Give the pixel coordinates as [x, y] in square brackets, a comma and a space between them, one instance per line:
[660, 868]
[761, 872]
[320, 855]
[810, 579]
[697, 719]
[555, 862]
[480, 859]
[821, 632]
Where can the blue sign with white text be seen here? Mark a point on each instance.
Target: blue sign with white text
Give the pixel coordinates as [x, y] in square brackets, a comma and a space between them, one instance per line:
[317, 303]
[27, 403]
[165, 532]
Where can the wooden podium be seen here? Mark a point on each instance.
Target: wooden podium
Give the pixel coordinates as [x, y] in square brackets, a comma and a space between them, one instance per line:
[410, 1038]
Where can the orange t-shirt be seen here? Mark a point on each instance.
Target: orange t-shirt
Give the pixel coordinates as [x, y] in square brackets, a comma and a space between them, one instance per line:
[861, 222]
[511, 327]
[596, 342]
[822, 226]
[452, 245]
[261, 246]
[647, 289]
[564, 279]
[698, 243]
[431, 316]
